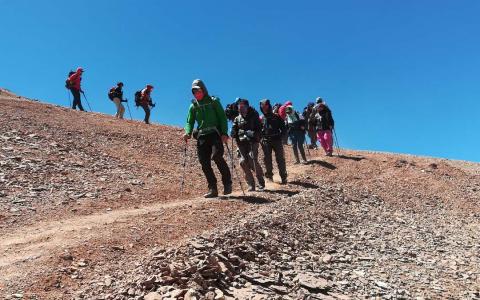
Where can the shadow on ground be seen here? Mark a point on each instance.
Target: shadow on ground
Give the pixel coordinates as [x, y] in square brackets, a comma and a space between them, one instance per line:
[282, 192]
[355, 158]
[306, 185]
[251, 199]
[322, 164]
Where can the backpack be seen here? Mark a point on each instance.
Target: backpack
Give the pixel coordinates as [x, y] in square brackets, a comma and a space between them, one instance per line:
[69, 84]
[231, 111]
[111, 93]
[138, 97]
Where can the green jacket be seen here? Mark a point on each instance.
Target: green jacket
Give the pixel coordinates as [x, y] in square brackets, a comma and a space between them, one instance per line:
[209, 115]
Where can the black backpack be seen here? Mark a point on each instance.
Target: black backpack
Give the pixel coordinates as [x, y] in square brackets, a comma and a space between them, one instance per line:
[69, 84]
[112, 93]
[231, 111]
[138, 97]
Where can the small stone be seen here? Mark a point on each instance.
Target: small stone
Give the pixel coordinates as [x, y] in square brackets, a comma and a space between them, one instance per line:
[152, 296]
[381, 284]
[190, 295]
[108, 281]
[327, 259]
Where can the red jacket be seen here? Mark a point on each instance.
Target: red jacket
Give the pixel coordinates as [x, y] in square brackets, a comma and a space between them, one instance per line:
[145, 99]
[75, 81]
[281, 111]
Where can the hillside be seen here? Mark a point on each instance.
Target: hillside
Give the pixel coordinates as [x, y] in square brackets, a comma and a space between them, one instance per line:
[91, 208]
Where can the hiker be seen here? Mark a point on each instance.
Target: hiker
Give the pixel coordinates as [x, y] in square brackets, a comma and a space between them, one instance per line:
[324, 124]
[296, 132]
[273, 129]
[276, 107]
[309, 117]
[211, 134]
[247, 130]
[144, 100]
[74, 85]
[116, 95]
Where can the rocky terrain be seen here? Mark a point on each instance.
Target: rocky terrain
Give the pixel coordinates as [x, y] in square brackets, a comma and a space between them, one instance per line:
[91, 208]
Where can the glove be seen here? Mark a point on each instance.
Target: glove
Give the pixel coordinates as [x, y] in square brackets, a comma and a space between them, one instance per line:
[249, 133]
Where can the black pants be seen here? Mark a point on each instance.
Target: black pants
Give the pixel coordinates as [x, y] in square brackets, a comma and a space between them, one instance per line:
[312, 134]
[298, 139]
[249, 162]
[77, 101]
[146, 108]
[210, 147]
[277, 146]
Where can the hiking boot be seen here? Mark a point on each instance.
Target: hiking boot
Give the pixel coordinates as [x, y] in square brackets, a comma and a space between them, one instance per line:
[284, 181]
[297, 162]
[304, 162]
[251, 188]
[329, 154]
[260, 188]
[227, 189]
[269, 178]
[212, 193]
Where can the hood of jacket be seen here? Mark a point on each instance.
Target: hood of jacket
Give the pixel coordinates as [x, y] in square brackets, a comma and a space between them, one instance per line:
[198, 83]
[269, 109]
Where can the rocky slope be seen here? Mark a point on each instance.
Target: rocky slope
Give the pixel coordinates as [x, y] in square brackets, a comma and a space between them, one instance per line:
[90, 208]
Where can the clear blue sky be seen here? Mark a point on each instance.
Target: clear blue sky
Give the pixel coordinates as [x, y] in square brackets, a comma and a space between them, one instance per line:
[400, 76]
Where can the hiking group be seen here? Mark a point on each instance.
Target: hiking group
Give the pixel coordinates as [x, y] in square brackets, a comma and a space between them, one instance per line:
[271, 131]
[278, 124]
[143, 97]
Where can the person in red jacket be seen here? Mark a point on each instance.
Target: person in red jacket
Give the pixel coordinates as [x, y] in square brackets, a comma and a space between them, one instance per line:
[282, 113]
[282, 110]
[74, 83]
[146, 102]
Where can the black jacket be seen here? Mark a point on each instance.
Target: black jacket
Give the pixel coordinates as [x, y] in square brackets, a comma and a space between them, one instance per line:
[297, 125]
[118, 93]
[273, 127]
[324, 119]
[309, 117]
[241, 125]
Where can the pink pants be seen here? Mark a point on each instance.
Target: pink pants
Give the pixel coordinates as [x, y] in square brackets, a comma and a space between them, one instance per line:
[326, 140]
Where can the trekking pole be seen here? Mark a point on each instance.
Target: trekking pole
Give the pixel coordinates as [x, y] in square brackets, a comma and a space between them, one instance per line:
[128, 107]
[185, 155]
[69, 100]
[83, 93]
[236, 171]
[336, 141]
[308, 148]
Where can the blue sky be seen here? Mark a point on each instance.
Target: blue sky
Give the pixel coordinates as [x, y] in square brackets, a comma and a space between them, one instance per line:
[400, 76]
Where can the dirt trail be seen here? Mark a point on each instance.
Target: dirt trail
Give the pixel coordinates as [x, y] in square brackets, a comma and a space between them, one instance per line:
[47, 237]
[34, 246]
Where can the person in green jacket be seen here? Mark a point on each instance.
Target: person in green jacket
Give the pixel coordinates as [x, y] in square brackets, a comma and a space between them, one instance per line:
[211, 134]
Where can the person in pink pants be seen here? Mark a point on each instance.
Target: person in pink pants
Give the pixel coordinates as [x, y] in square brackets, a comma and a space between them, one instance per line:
[326, 140]
[324, 124]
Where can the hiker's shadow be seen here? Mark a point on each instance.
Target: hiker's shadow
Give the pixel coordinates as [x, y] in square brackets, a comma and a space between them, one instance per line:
[282, 192]
[306, 185]
[355, 158]
[251, 199]
[322, 164]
